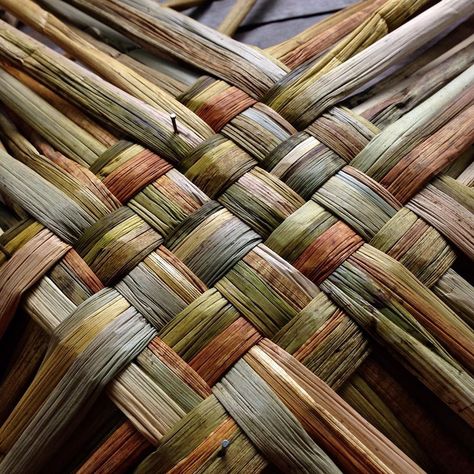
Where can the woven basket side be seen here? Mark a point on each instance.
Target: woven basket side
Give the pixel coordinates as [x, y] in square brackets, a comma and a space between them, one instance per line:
[155, 272]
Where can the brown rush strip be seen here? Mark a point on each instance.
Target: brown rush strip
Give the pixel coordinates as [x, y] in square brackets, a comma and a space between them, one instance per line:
[76, 265]
[26, 267]
[431, 156]
[403, 245]
[122, 450]
[222, 352]
[335, 350]
[446, 215]
[130, 178]
[421, 249]
[327, 252]
[84, 176]
[223, 107]
[202, 453]
[318, 337]
[324, 34]
[343, 132]
[169, 357]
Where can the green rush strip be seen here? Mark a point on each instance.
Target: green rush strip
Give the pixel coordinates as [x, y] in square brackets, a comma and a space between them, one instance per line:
[42, 200]
[61, 132]
[269, 424]
[133, 116]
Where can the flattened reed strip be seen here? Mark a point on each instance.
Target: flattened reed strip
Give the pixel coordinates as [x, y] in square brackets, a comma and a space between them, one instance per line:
[250, 70]
[239, 10]
[56, 210]
[324, 34]
[366, 65]
[85, 147]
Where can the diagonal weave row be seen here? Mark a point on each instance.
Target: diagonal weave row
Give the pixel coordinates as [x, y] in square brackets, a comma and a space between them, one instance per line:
[221, 299]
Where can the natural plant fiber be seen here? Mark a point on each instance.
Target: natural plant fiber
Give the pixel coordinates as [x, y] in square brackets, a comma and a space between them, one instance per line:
[261, 269]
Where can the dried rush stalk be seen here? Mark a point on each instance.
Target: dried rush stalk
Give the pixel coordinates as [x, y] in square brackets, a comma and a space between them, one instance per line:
[379, 293]
[251, 70]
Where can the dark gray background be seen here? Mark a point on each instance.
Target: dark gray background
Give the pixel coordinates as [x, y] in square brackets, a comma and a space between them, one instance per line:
[270, 21]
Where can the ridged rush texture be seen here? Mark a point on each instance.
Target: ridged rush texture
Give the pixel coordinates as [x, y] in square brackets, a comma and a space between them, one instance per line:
[273, 279]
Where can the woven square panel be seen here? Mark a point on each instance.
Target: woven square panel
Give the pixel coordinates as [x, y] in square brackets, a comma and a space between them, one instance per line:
[221, 259]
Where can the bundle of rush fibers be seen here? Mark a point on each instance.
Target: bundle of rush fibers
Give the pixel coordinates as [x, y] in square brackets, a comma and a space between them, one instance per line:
[264, 268]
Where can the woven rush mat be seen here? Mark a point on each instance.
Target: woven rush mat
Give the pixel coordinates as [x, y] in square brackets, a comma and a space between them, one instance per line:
[216, 258]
